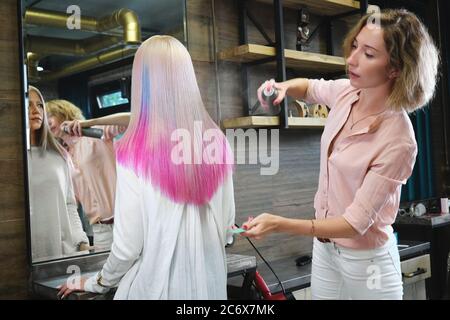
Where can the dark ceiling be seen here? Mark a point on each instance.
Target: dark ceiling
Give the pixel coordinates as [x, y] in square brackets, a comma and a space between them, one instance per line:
[155, 17]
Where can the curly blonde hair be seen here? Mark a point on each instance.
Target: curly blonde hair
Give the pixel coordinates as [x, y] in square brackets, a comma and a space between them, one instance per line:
[63, 110]
[411, 51]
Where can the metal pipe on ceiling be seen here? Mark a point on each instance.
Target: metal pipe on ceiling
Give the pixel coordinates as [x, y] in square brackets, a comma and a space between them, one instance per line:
[39, 47]
[108, 56]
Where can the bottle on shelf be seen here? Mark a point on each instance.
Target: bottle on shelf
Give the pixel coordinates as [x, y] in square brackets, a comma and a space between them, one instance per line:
[266, 107]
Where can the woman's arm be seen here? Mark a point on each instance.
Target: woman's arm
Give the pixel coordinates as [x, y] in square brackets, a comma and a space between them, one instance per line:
[128, 238]
[266, 223]
[295, 88]
[229, 209]
[81, 240]
[321, 91]
[128, 233]
[116, 119]
[388, 172]
[73, 128]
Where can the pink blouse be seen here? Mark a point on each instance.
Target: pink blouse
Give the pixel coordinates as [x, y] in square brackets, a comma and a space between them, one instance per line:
[362, 175]
[94, 172]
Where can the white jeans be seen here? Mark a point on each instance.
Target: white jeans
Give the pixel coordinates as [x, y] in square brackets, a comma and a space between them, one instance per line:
[103, 236]
[341, 273]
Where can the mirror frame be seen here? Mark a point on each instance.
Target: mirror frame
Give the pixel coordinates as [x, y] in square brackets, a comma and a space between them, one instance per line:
[24, 122]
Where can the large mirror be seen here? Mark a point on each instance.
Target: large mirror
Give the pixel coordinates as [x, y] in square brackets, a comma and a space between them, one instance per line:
[78, 57]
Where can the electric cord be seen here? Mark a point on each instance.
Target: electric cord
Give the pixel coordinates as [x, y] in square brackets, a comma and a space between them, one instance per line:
[267, 263]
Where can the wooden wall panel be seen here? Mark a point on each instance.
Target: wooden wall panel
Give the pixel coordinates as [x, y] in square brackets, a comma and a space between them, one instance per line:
[291, 191]
[206, 80]
[13, 263]
[199, 28]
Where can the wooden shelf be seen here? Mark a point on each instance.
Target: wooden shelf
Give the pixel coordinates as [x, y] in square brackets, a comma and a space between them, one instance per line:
[307, 61]
[321, 7]
[308, 123]
[251, 122]
[263, 121]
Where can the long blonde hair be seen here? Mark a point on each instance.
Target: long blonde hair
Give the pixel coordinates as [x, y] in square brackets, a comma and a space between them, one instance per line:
[166, 100]
[63, 110]
[44, 137]
[411, 50]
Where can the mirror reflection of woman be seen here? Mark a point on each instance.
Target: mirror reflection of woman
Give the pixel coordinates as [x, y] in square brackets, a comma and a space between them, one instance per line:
[94, 169]
[56, 229]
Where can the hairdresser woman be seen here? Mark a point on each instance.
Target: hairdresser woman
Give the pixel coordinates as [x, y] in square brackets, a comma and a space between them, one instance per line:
[368, 151]
[94, 172]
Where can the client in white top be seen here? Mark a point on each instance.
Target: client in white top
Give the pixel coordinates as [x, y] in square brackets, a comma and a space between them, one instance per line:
[56, 229]
[174, 205]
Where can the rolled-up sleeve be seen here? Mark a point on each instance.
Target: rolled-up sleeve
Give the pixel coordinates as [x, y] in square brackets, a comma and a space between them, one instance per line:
[325, 91]
[78, 234]
[229, 210]
[388, 172]
[128, 233]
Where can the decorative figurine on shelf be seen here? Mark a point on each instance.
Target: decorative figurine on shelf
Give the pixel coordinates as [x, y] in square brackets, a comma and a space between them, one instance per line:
[319, 111]
[303, 32]
[302, 109]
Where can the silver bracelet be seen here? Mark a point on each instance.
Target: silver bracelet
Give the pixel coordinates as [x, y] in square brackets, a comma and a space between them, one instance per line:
[99, 280]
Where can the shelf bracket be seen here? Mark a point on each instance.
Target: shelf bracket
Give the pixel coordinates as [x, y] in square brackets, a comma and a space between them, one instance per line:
[258, 62]
[280, 58]
[243, 39]
[260, 29]
[244, 15]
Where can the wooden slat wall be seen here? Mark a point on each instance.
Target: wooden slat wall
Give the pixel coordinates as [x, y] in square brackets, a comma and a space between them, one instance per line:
[290, 192]
[13, 263]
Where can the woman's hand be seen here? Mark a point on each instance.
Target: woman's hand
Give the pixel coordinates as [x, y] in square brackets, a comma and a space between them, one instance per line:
[85, 246]
[66, 289]
[262, 225]
[73, 128]
[281, 88]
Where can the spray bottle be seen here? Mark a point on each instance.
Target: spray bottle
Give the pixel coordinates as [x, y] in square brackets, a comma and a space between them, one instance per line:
[269, 94]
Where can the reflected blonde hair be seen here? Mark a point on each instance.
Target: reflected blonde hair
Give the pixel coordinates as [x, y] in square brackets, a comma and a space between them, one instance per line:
[411, 50]
[44, 137]
[64, 110]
